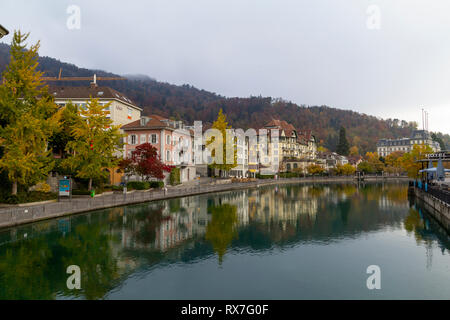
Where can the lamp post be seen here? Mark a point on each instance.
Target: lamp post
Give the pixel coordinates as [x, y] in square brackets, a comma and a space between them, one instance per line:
[3, 31]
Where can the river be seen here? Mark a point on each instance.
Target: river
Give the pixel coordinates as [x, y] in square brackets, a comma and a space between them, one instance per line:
[275, 242]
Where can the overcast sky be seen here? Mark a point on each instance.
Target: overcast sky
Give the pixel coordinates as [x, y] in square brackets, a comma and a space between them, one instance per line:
[339, 53]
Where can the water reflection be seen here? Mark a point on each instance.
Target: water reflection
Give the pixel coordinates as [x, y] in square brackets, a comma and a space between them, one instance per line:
[113, 245]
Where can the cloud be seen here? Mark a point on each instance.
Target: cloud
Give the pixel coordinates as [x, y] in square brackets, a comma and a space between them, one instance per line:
[311, 52]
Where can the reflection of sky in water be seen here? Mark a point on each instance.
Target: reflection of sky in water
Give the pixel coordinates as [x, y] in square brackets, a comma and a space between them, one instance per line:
[286, 242]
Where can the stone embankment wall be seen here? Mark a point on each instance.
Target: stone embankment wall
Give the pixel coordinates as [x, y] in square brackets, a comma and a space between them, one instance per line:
[437, 208]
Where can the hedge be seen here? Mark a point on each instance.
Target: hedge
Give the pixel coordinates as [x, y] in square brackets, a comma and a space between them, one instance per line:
[138, 185]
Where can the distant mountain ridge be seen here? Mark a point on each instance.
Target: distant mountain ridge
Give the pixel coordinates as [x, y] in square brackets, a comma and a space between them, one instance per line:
[189, 103]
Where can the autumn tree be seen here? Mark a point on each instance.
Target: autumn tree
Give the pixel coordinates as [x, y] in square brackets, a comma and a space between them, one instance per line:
[222, 145]
[314, 169]
[345, 169]
[408, 160]
[28, 117]
[354, 151]
[96, 143]
[393, 163]
[146, 163]
[59, 140]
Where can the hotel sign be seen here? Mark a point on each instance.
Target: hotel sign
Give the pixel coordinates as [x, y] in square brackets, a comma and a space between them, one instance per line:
[438, 155]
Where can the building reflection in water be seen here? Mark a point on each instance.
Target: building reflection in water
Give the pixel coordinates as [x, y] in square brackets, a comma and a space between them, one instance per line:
[111, 245]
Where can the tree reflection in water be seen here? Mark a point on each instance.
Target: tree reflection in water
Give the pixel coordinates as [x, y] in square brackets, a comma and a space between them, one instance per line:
[222, 228]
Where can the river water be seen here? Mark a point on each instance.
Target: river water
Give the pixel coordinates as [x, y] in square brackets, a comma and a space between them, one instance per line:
[275, 242]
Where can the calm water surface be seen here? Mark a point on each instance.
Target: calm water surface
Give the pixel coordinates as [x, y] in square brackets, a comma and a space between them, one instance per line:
[285, 242]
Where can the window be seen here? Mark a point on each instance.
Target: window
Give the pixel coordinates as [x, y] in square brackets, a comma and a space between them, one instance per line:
[154, 139]
[143, 138]
[168, 156]
[130, 111]
[133, 139]
[168, 139]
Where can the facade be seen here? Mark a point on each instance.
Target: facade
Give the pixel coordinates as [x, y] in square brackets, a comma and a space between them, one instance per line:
[386, 146]
[329, 160]
[121, 110]
[295, 149]
[173, 141]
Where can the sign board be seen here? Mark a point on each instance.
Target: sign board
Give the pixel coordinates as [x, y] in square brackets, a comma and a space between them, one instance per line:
[439, 155]
[64, 188]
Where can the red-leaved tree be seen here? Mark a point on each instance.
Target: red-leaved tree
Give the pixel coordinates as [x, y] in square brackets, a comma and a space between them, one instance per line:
[146, 163]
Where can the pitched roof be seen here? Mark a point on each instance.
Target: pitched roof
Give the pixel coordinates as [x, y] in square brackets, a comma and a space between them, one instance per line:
[281, 125]
[67, 93]
[153, 121]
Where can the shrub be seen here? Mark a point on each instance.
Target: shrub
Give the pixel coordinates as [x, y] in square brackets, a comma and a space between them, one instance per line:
[27, 197]
[156, 184]
[81, 192]
[138, 185]
[175, 176]
[265, 176]
[43, 187]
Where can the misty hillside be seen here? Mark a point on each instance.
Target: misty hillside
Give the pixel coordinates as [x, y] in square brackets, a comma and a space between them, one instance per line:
[189, 103]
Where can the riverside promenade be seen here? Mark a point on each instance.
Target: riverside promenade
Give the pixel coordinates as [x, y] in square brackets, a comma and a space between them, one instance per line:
[22, 214]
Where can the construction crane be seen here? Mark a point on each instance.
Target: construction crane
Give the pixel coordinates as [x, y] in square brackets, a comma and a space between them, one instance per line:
[94, 78]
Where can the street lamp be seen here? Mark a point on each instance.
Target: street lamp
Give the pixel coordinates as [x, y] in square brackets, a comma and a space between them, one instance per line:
[3, 31]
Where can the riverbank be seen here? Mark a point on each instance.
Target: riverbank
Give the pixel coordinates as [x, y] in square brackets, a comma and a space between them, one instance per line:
[438, 209]
[17, 215]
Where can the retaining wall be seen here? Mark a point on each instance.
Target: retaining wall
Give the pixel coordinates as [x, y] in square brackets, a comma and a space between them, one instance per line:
[437, 208]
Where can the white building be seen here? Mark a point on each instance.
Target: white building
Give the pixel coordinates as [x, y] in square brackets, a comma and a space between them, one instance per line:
[386, 146]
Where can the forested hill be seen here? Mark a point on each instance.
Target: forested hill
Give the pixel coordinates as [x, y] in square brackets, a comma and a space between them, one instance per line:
[189, 103]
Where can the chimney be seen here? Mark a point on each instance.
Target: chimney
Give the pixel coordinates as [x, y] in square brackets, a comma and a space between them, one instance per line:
[94, 83]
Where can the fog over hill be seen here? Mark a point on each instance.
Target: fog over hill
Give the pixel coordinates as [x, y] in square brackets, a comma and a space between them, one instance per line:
[189, 103]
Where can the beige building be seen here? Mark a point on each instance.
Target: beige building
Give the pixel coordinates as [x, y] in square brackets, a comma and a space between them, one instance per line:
[121, 110]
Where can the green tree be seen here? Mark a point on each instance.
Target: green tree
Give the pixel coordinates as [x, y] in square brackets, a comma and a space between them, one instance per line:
[69, 117]
[28, 117]
[343, 147]
[439, 140]
[223, 141]
[96, 143]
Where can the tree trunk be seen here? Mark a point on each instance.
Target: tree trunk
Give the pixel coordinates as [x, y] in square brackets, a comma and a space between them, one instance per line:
[14, 188]
[90, 184]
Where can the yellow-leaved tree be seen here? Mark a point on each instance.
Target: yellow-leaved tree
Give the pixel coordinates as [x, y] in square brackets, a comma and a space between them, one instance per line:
[408, 160]
[222, 143]
[28, 117]
[95, 145]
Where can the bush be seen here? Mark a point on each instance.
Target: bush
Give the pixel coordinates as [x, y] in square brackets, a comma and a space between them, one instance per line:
[43, 187]
[290, 175]
[27, 197]
[265, 176]
[138, 185]
[81, 192]
[175, 176]
[157, 184]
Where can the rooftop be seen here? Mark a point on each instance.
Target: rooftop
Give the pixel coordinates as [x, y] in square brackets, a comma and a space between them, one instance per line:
[68, 93]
